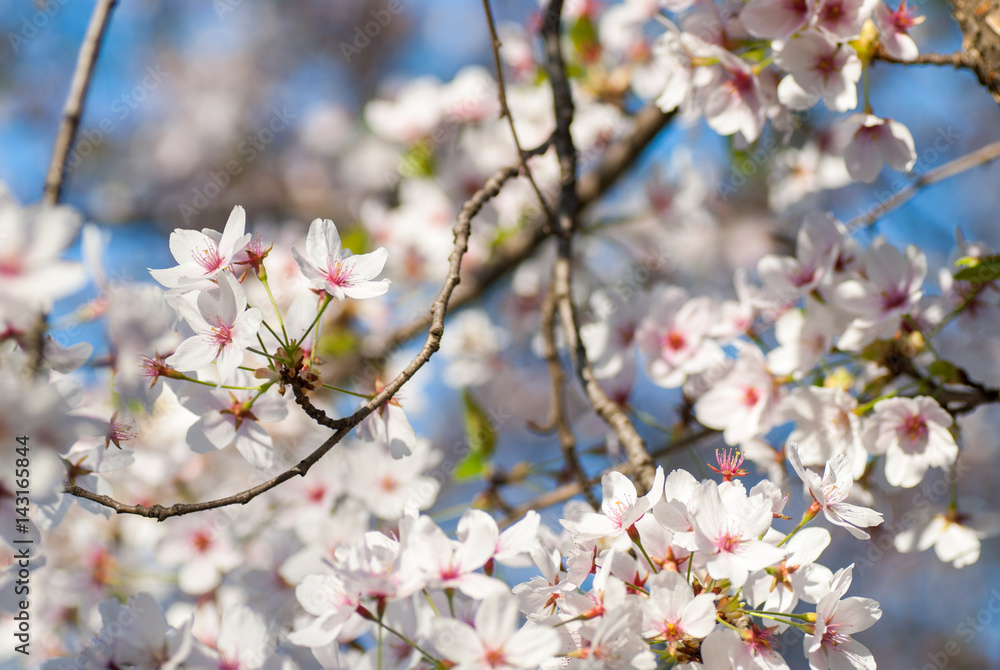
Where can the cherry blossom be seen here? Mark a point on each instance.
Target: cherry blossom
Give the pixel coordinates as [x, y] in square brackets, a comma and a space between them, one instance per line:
[621, 508]
[674, 612]
[894, 29]
[31, 272]
[202, 256]
[495, 641]
[726, 530]
[338, 271]
[875, 141]
[830, 645]
[743, 404]
[675, 337]
[889, 289]
[956, 536]
[818, 67]
[830, 492]
[223, 325]
[913, 434]
[233, 417]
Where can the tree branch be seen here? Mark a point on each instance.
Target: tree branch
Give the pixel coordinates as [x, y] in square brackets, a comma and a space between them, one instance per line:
[505, 111]
[617, 158]
[557, 417]
[642, 466]
[979, 21]
[73, 111]
[439, 308]
[956, 60]
[980, 156]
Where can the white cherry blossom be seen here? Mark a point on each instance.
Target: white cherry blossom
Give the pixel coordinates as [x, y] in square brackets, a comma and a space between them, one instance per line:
[338, 271]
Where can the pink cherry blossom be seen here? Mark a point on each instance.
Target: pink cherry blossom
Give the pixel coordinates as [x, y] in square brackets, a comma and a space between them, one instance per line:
[830, 492]
[894, 30]
[889, 289]
[223, 325]
[675, 337]
[201, 256]
[875, 141]
[830, 646]
[338, 271]
[818, 67]
[743, 404]
[496, 642]
[674, 612]
[776, 19]
[727, 531]
[233, 417]
[621, 508]
[913, 434]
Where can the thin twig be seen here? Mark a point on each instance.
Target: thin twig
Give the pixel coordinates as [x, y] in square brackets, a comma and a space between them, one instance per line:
[505, 111]
[980, 156]
[558, 418]
[956, 60]
[73, 111]
[616, 159]
[642, 466]
[431, 344]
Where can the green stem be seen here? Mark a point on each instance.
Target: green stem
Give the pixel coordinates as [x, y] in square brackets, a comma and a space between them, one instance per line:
[638, 543]
[353, 393]
[319, 315]
[274, 305]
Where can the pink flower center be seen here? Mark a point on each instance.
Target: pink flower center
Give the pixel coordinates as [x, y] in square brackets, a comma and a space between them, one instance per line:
[201, 541]
[220, 336]
[797, 7]
[728, 542]
[495, 658]
[673, 341]
[209, 258]
[893, 298]
[833, 13]
[741, 82]
[337, 274]
[751, 396]
[615, 510]
[671, 632]
[904, 18]
[913, 429]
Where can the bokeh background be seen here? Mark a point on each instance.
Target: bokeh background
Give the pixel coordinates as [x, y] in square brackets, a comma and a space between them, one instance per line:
[183, 88]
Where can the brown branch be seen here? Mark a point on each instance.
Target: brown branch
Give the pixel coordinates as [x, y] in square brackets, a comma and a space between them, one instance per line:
[642, 466]
[956, 60]
[558, 418]
[617, 158]
[73, 111]
[505, 112]
[980, 156]
[979, 21]
[439, 308]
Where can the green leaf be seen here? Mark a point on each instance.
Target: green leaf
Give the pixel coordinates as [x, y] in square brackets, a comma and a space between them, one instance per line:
[583, 34]
[979, 270]
[470, 467]
[480, 435]
[355, 238]
[337, 341]
[945, 371]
